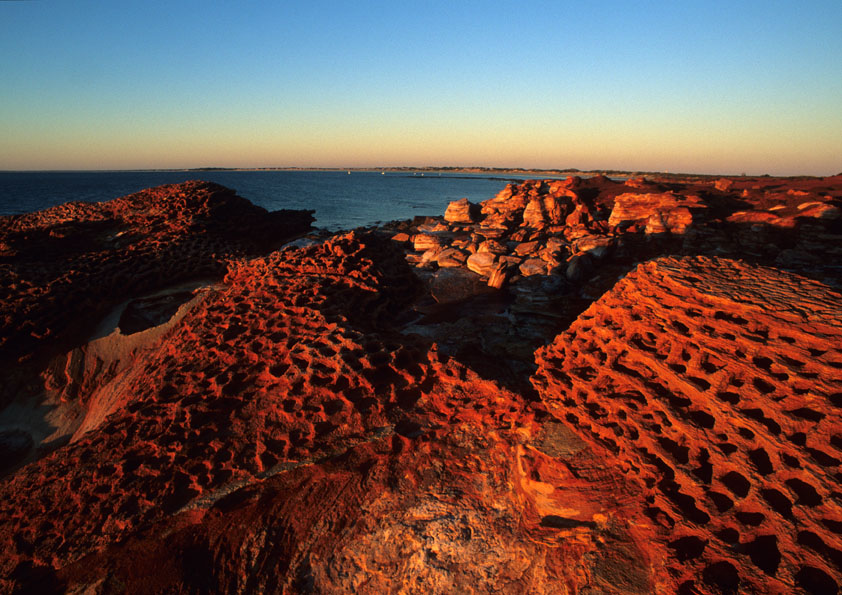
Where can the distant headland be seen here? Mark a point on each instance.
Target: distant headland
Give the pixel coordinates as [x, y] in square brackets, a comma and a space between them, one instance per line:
[518, 171]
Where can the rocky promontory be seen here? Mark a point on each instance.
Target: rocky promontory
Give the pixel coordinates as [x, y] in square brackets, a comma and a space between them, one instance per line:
[578, 386]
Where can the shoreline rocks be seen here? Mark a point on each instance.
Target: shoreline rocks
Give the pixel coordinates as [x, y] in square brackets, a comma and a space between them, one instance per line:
[559, 221]
[578, 385]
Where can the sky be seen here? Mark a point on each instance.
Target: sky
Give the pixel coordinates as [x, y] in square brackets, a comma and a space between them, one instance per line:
[681, 86]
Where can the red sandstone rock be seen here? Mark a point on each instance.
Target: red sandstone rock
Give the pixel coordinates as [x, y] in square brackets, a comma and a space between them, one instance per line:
[716, 385]
[533, 266]
[723, 184]
[524, 248]
[451, 257]
[426, 241]
[661, 213]
[498, 277]
[70, 264]
[296, 430]
[482, 263]
[286, 432]
[461, 211]
[492, 246]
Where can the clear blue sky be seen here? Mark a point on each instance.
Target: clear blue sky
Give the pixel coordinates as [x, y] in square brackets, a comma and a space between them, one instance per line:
[720, 87]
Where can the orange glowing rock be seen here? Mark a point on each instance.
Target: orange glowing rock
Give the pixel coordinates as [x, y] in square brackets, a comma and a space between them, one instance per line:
[284, 410]
[716, 385]
[639, 395]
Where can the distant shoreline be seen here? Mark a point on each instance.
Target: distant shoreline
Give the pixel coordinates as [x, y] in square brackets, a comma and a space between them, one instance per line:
[497, 171]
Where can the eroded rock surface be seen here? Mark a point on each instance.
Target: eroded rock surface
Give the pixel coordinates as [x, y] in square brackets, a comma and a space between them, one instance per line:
[285, 437]
[717, 385]
[63, 268]
[368, 413]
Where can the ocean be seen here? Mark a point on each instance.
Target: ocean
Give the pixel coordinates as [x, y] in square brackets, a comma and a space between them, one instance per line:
[341, 200]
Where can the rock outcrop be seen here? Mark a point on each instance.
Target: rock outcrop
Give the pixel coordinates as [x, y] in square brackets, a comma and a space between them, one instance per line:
[461, 211]
[577, 386]
[87, 257]
[558, 220]
[716, 385]
[81, 283]
[657, 213]
[285, 431]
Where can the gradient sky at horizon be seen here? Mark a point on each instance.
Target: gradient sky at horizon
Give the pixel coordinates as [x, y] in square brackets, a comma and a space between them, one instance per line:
[707, 87]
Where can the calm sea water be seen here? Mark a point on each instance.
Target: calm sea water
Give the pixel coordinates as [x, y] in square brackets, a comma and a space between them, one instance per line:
[341, 201]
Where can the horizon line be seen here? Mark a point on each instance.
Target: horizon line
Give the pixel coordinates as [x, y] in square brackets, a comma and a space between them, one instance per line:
[419, 168]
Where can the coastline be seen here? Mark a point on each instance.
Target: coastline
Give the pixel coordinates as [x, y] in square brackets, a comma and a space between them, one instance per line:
[520, 173]
[441, 384]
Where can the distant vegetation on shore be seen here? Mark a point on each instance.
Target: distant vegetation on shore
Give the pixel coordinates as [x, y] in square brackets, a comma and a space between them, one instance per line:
[662, 175]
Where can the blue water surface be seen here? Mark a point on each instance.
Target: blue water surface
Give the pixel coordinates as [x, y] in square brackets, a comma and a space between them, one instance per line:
[341, 200]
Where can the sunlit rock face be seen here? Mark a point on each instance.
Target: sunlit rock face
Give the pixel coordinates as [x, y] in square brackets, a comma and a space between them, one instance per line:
[579, 386]
[284, 429]
[793, 224]
[716, 385]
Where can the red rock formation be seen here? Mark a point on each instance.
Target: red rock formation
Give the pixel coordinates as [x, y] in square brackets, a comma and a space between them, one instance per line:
[330, 419]
[659, 213]
[717, 385]
[461, 211]
[284, 437]
[85, 258]
[790, 223]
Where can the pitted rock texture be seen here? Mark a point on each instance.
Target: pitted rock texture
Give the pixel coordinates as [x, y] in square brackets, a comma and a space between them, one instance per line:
[717, 385]
[284, 437]
[328, 418]
[66, 266]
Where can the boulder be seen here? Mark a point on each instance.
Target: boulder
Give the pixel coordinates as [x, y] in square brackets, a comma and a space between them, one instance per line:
[498, 276]
[533, 214]
[552, 260]
[425, 241]
[430, 256]
[638, 182]
[451, 257]
[433, 227]
[533, 266]
[510, 261]
[564, 187]
[580, 216]
[676, 221]
[723, 184]
[525, 248]
[656, 213]
[520, 235]
[508, 205]
[492, 246]
[597, 246]
[555, 245]
[819, 210]
[482, 263]
[462, 211]
[462, 242]
[808, 205]
[493, 230]
[401, 237]
[556, 208]
[506, 193]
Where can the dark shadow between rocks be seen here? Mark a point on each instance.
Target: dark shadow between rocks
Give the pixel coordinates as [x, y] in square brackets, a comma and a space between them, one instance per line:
[144, 313]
